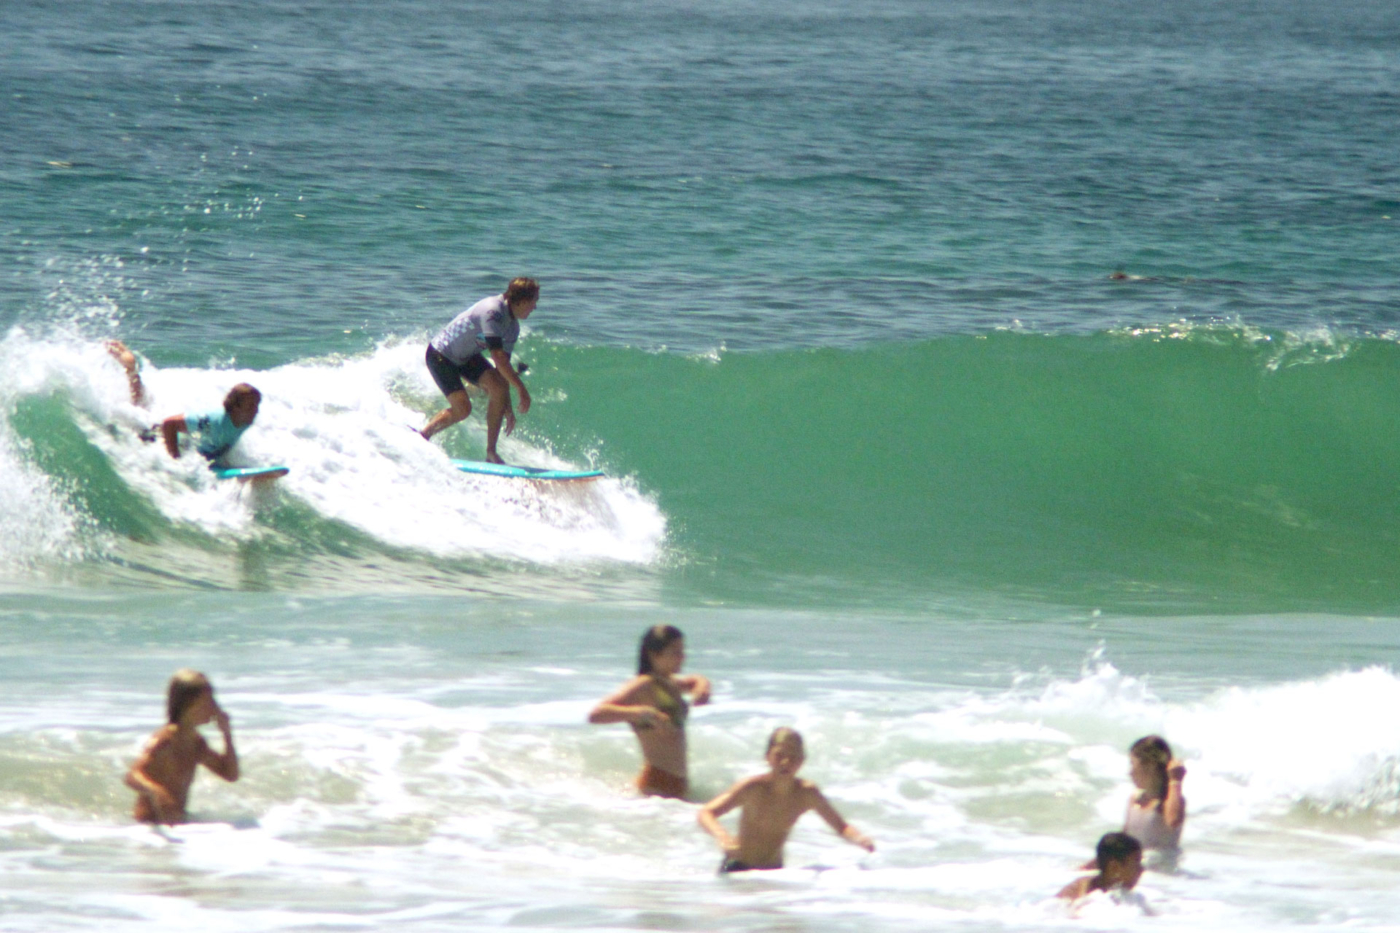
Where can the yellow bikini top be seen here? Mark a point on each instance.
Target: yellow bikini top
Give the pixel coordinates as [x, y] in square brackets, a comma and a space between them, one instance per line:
[672, 704]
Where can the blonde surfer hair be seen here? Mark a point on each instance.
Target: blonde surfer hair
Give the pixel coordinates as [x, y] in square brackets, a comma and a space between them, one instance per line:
[186, 686]
[522, 289]
[238, 393]
[783, 734]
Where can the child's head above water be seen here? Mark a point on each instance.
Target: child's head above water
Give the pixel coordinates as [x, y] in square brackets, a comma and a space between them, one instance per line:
[786, 751]
[1150, 757]
[654, 641]
[186, 688]
[1119, 859]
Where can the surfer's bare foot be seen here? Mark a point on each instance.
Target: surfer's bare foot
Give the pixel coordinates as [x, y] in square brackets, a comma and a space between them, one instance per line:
[493, 457]
[123, 355]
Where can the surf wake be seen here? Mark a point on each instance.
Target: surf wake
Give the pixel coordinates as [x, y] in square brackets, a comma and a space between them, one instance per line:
[81, 483]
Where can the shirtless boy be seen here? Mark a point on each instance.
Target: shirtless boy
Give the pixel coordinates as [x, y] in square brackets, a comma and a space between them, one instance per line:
[770, 805]
[1120, 866]
[162, 775]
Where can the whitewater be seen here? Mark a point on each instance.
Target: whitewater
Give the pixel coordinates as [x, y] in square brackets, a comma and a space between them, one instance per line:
[346, 430]
[425, 763]
[981, 385]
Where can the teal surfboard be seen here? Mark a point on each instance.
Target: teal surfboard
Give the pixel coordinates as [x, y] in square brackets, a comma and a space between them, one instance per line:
[249, 472]
[522, 472]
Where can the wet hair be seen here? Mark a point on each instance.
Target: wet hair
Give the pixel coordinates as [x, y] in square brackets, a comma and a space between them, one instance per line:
[783, 734]
[240, 392]
[657, 638]
[186, 686]
[1153, 751]
[1115, 847]
[522, 289]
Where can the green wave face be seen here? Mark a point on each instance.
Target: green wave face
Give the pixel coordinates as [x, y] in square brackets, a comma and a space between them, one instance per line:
[1200, 469]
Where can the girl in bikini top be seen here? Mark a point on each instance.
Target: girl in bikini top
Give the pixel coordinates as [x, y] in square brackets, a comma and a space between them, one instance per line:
[669, 700]
[654, 704]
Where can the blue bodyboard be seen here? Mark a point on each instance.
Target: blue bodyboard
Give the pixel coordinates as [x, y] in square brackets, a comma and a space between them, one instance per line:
[249, 472]
[522, 472]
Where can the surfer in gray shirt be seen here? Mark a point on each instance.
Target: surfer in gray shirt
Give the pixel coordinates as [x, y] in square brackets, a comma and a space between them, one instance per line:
[459, 350]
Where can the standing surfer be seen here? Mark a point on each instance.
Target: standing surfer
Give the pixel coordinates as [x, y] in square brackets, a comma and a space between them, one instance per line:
[492, 325]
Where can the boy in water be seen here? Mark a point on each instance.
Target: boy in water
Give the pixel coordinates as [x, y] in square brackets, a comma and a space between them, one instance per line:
[218, 430]
[163, 774]
[1119, 861]
[770, 805]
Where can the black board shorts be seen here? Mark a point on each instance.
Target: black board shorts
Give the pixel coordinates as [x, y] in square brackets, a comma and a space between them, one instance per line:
[448, 375]
[730, 864]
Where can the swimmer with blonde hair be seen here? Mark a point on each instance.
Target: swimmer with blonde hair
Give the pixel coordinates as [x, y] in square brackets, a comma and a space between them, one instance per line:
[162, 775]
[770, 805]
[653, 704]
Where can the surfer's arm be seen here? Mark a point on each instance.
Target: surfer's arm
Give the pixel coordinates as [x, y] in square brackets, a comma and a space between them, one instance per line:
[170, 430]
[501, 359]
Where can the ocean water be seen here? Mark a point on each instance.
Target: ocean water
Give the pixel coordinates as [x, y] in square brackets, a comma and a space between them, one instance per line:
[829, 291]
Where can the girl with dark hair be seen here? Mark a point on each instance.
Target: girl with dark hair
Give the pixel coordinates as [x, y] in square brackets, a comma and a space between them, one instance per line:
[653, 703]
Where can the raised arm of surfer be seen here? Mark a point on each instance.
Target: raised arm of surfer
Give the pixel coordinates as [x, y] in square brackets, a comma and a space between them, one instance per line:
[492, 325]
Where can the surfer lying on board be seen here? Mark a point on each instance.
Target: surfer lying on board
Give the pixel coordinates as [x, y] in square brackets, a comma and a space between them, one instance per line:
[771, 805]
[163, 774]
[653, 703]
[492, 325]
[218, 430]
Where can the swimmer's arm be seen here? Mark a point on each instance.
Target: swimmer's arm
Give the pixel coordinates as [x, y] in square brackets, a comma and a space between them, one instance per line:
[163, 804]
[697, 685]
[501, 359]
[1173, 804]
[709, 814]
[819, 803]
[225, 765]
[1075, 889]
[170, 430]
[622, 706]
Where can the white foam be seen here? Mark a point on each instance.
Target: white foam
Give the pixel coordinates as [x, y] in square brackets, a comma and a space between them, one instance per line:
[343, 427]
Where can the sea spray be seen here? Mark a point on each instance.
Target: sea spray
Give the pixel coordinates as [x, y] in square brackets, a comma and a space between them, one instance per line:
[346, 430]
